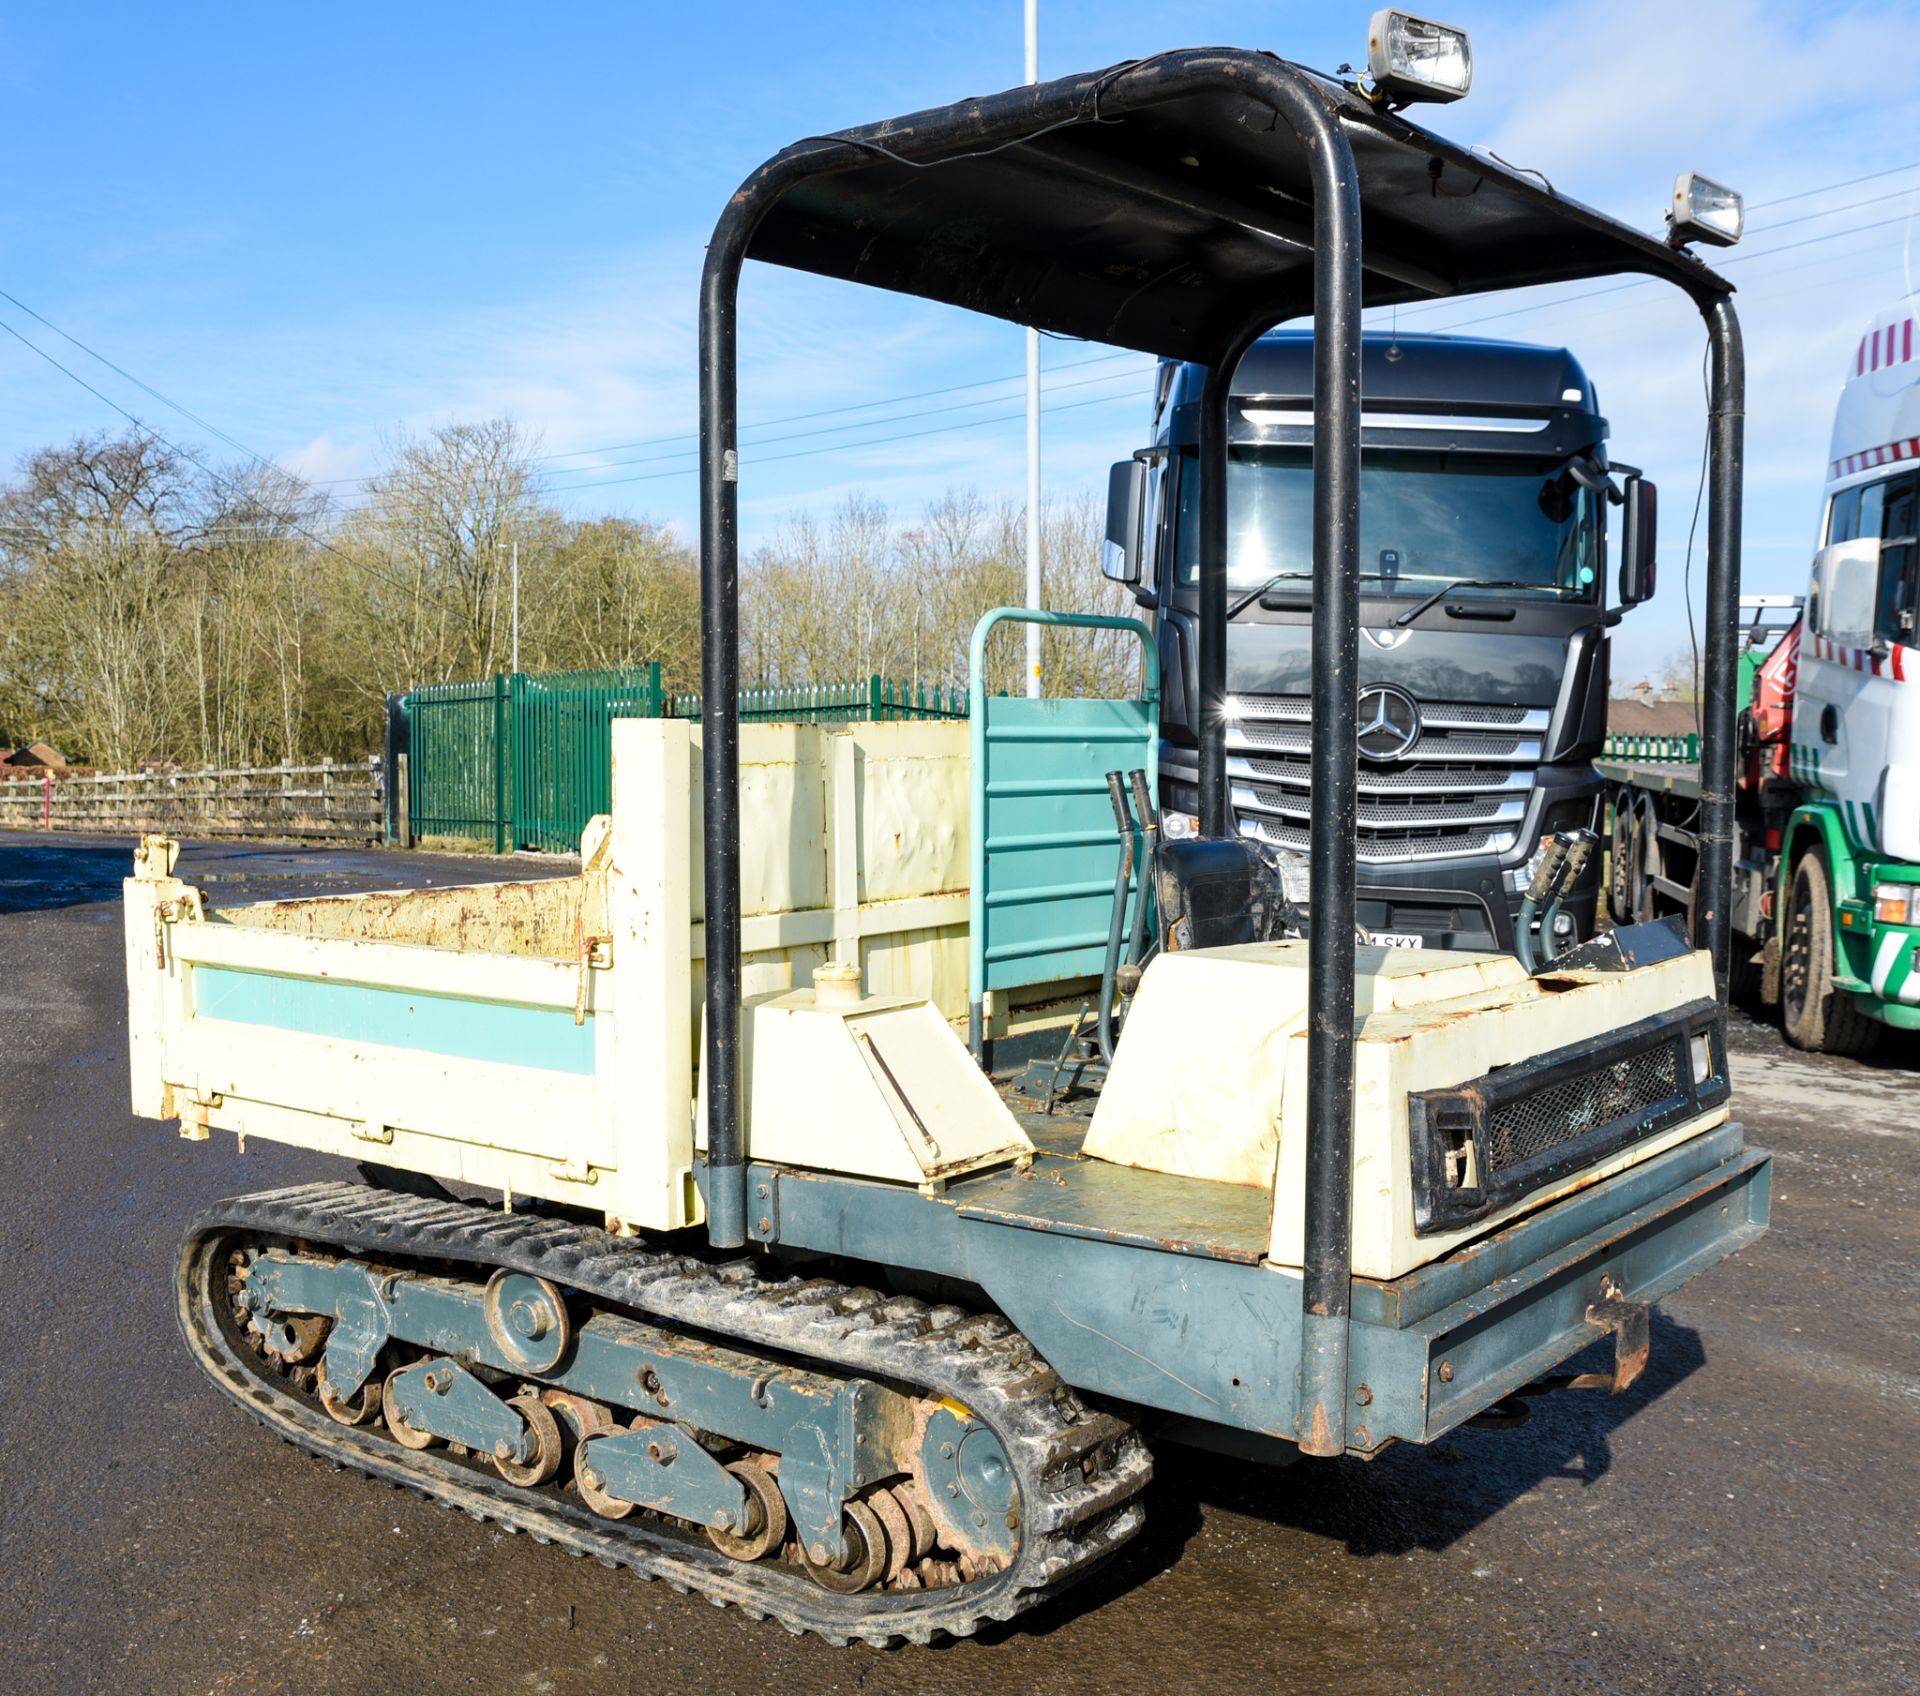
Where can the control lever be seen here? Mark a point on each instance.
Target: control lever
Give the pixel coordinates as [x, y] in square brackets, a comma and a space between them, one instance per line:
[1117, 924]
[1127, 979]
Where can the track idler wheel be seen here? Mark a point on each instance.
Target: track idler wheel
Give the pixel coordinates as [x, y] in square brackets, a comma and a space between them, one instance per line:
[863, 1558]
[766, 1527]
[407, 1436]
[357, 1409]
[587, 1481]
[547, 1450]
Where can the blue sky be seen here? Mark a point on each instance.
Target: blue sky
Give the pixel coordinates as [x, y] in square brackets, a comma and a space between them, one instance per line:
[313, 228]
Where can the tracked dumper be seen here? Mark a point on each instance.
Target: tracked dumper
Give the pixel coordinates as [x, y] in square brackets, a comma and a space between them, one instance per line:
[703, 1227]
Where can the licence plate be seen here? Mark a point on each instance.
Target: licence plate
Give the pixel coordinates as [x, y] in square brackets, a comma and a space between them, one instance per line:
[1398, 938]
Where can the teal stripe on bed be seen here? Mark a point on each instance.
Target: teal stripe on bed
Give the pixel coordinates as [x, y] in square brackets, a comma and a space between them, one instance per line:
[461, 1029]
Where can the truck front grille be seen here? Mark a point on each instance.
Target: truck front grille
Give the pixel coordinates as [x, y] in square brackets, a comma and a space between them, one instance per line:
[1461, 790]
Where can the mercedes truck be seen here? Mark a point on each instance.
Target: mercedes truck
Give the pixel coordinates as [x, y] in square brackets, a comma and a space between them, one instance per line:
[1487, 503]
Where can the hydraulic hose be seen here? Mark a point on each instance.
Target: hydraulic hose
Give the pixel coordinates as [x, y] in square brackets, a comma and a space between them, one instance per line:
[1117, 925]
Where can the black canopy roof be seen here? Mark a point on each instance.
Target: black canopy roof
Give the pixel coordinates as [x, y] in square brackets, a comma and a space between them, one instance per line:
[1161, 203]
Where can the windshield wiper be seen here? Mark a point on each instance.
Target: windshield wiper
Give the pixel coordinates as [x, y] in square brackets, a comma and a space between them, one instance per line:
[1236, 608]
[1446, 589]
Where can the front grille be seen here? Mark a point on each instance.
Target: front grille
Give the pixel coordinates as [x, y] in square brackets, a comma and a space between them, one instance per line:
[1378, 846]
[1430, 805]
[1481, 1145]
[1536, 1124]
[1427, 778]
[1399, 811]
[1433, 744]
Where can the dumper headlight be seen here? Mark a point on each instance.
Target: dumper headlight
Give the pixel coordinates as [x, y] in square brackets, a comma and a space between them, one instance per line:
[1704, 210]
[1700, 1048]
[1896, 903]
[1411, 58]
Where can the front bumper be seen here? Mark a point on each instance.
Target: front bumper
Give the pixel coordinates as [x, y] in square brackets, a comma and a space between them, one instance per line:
[1449, 1340]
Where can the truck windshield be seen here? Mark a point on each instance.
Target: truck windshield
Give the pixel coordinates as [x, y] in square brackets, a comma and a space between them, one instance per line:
[1426, 518]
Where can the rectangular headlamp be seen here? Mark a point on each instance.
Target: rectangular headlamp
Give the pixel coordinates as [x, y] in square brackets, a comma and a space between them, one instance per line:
[1412, 58]
[1704, 210]
[1896, 903]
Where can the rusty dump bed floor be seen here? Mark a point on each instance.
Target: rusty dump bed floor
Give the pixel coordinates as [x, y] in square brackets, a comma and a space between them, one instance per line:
[1065, 1192]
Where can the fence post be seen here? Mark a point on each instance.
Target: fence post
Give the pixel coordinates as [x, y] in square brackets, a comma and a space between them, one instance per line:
[403, 800]
[499, 763]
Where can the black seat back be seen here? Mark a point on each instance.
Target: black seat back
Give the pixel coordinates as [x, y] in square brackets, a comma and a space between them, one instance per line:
[1217, 893]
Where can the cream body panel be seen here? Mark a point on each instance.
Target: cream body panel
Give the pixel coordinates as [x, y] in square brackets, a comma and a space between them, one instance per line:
[1211, 1076]
[878, 1089]
[854, 846]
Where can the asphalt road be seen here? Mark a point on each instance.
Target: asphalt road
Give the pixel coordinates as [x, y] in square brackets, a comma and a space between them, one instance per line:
[1743, 1520]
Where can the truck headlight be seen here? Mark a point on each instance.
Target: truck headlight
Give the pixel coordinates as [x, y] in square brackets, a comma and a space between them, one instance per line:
[1896, 903]
[1411, 58]
[1178, 827]
[1704, 210]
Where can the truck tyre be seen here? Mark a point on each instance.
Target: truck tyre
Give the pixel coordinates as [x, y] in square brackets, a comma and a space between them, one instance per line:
[1643, 851]
[1619, 860]
[1815, 1015]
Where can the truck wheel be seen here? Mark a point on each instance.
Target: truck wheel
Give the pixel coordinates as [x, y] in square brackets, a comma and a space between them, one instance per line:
[1814, 1014]
[1643, 848]
[1619, 860]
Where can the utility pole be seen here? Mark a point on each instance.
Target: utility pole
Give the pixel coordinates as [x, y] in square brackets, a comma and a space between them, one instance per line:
[1033, 418]
[516, 605]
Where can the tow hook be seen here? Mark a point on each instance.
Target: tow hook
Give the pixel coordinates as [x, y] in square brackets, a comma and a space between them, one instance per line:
[1629, 1323]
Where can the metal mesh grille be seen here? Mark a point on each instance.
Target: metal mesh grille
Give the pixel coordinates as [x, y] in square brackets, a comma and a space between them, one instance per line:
[1537, 1124]
[1425, 777]
[1385, 845]
[1396, 811]
[1433, 744]
[1300, 709]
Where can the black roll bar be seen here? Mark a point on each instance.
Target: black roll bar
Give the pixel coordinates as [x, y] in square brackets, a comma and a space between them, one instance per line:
[1008, 119]
[1726, 452]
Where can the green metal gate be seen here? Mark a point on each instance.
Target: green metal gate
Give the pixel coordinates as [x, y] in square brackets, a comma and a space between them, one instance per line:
[524, 760]
[563, 748]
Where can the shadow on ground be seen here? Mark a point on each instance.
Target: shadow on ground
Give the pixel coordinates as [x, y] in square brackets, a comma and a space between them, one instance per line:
[1411, 1498]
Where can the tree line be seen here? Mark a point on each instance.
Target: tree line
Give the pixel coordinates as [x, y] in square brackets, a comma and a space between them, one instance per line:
[155, 609]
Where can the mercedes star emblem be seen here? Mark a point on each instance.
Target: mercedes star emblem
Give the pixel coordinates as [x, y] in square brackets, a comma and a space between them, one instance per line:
[1389, 722]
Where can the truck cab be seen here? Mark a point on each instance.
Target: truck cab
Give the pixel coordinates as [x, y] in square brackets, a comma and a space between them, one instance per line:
[1484, 657]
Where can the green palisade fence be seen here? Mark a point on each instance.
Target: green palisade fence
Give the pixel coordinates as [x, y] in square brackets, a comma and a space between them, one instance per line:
[1669, 749]
[523, 761]
[563, 748]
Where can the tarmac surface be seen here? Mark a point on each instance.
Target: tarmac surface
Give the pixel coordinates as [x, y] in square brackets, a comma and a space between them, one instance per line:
[1743, 1520]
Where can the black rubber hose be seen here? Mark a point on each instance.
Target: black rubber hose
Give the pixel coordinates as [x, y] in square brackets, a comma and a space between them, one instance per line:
[1117, 924]
[1143, 891]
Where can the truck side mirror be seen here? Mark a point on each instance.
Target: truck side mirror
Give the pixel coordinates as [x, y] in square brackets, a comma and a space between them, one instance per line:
[1126, 497]
[1640, 504]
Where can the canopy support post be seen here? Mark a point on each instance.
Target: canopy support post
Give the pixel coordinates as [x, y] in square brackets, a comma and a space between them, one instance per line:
[1726, 434]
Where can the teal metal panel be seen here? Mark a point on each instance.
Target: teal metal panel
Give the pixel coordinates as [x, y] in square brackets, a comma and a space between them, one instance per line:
[461, 1029]
[1045, 850]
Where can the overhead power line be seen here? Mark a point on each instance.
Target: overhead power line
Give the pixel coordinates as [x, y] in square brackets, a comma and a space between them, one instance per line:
[872, 406]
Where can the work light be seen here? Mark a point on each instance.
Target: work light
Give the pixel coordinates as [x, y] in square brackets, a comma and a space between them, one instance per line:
[1411, 58]
[1704, 210]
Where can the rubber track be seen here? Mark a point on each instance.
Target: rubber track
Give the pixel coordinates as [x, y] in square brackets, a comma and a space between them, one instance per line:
[1080, 1471]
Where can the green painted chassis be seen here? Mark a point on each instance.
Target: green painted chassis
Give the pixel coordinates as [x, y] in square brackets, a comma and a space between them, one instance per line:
[1178, 1313]
[1856, 869]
